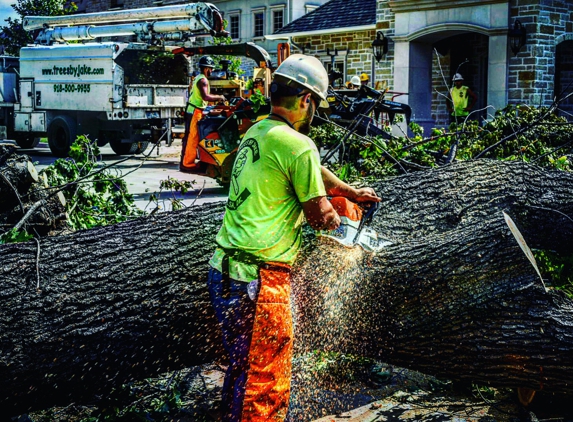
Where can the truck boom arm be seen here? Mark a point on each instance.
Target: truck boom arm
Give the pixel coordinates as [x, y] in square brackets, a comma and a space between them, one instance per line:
[194, 19]
[247, 49]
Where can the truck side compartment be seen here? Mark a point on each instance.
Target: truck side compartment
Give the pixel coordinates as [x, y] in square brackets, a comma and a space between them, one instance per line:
[80, 89]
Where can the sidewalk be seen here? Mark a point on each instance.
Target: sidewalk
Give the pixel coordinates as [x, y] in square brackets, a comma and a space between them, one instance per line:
[144, 173]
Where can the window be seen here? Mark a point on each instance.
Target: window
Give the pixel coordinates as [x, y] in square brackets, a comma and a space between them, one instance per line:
[259, 24]
[339, 65]
[234, 26]
[116, 3]
[309, 8]
[278, 19]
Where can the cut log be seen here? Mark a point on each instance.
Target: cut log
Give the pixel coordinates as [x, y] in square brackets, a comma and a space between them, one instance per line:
[25, 201]
[17, 174]
[454, 296]
[6, 150]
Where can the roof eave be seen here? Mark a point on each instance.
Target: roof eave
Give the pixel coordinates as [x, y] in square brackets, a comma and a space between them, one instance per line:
[320, 32]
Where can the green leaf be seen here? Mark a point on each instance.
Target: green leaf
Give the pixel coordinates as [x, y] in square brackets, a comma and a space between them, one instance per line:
[15, 236]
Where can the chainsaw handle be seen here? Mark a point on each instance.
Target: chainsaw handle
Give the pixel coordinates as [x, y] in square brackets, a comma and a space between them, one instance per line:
[370, 211]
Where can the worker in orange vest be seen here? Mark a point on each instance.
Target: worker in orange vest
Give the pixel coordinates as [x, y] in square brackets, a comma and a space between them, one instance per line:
[199, 98]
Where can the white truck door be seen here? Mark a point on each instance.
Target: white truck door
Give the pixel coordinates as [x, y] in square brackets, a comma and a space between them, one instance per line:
[27, 95]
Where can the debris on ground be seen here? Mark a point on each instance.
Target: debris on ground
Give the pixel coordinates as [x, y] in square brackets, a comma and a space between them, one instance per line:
[325, 388]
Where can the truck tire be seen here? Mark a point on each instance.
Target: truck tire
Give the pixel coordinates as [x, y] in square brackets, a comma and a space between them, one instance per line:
[61, 135]
[26, 141]
[141, 147]
[122, 148]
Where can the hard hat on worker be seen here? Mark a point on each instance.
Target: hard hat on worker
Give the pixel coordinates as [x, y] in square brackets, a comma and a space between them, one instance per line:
[364, 77]
[355, 80]
[457, 77]
[308, 72]
[206, 61]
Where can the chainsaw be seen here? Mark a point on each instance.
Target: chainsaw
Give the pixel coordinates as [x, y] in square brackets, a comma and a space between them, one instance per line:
[354, 222]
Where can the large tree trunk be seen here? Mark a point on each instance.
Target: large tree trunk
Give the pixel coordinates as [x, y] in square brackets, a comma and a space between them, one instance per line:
[454, 296]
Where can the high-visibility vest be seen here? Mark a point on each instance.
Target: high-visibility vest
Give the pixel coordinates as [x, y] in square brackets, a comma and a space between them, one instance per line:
[195, 99]
[460, 99]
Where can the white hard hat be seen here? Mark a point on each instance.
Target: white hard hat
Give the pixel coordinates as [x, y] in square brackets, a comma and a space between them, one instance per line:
[355, 80]
[308, 72]
[457, 77]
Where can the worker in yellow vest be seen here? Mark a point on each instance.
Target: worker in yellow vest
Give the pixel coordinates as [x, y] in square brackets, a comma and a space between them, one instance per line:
[462, 100]
[199, 97]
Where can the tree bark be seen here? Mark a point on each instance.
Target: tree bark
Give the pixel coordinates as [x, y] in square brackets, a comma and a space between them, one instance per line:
[453, 296]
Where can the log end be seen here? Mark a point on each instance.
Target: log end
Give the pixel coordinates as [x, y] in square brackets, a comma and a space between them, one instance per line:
[44, 178]
[32, 170]
[61, 198]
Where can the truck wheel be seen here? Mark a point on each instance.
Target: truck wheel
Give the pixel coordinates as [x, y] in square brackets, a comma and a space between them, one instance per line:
[141, 147]
[61, 135]
[121, 148]
[27, 141]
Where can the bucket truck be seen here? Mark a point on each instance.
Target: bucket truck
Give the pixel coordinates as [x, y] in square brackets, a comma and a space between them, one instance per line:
[66, 84]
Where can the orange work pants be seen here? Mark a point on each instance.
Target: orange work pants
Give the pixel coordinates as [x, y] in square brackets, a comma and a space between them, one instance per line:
[258, 336]
[267, 389]
[191, 140]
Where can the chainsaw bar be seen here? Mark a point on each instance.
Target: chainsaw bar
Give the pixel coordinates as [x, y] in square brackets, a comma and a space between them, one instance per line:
[354, 232]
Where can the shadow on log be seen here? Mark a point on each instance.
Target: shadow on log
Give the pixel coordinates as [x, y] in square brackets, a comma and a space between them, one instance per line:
[454, 296]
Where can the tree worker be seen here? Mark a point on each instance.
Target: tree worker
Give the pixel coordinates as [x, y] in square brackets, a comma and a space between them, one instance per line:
[354, 82]
[364, 79]
[459, 104]
[277, 179]
[199, 97]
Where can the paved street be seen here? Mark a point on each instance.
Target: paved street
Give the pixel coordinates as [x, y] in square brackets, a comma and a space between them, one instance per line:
[143, 175]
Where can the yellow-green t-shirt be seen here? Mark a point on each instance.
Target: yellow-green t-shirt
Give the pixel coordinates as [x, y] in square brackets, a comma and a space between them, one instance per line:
[276, 169]
[195, 99]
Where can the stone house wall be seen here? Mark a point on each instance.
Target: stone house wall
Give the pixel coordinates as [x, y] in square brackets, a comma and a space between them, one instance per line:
[531, 73]
[385, 21]
[441, 83]
[354, 48]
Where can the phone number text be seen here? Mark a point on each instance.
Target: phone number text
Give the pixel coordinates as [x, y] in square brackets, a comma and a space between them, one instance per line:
[72, 88]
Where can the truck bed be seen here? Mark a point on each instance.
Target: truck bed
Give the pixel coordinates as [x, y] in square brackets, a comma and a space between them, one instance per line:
[156, 96]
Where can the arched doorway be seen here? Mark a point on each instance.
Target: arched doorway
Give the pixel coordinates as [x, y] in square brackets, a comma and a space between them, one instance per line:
[433, 58]
[480, 37]
[467, 54]
[564, 78]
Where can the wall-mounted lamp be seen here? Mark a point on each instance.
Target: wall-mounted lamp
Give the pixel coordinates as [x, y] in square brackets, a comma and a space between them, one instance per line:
[379, 46]
[516, 37]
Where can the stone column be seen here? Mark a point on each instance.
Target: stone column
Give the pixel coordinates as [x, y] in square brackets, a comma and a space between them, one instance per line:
[420, 85]
[413, 74]
[402, 75]
[497, 72]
